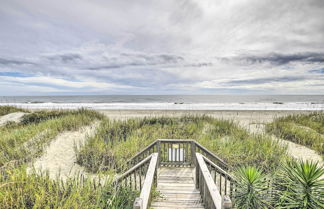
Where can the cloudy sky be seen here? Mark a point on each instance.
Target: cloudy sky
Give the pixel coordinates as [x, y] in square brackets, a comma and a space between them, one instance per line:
[161, 47]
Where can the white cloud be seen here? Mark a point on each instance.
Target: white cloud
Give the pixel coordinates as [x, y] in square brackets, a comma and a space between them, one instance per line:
[162, 46]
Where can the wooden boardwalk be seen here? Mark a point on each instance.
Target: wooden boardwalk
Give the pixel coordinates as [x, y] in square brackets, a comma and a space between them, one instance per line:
[176, 187]
[184, 173]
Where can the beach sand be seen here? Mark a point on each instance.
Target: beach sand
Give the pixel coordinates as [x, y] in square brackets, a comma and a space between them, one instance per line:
[59, 158]
[11, 117]
[244, 117]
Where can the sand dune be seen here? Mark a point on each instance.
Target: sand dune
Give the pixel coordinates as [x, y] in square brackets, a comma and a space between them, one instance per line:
[11, 117]
[60, 158]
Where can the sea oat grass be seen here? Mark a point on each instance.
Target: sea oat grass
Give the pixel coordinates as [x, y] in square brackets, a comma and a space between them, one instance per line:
[10, 109]
[306, 130]
[117, 141]
[21, 190]
[27, 141]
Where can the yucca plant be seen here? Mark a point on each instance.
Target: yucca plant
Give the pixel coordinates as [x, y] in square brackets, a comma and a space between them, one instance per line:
[251, 189]
[300, 185]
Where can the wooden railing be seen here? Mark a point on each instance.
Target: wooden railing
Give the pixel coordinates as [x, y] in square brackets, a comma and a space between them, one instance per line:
[224, 181]
[211, 196]
[176, 152]
[214, 183]
[143, 154]
[143, 201]
[135, 176]
[141, 177]
[204, 151]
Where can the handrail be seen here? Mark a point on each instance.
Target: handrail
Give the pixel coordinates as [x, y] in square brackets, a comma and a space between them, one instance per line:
[178, 152]
[212, 155]
[141, 154]
[219, 169]
[132, 170]
[204, 182]
[169, 158]
[175, 140]
[227, 184]
[175, 152]
[142, 202]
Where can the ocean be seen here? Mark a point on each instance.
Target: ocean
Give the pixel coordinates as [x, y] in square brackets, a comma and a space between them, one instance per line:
[170, 102]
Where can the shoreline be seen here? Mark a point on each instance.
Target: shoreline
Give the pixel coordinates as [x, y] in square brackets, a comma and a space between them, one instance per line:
[253, 106]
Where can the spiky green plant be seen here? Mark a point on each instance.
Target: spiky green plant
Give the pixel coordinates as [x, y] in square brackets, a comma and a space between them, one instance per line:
[251, 189]
[301, 185]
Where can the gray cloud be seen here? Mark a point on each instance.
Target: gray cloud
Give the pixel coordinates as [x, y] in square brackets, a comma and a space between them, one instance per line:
[283, 79]
[134, 60]
[279, 59]
[65, 58]
[158, 44]
[14, 62]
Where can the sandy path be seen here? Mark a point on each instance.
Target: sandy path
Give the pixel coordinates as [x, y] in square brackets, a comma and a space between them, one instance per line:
[60, 158]
[11, 117]
[296, 151]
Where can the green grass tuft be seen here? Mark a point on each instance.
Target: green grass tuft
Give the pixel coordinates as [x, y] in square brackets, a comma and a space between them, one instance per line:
[117, 141]
[304, 129]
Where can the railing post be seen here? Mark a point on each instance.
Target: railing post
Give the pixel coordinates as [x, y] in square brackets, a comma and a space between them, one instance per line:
[138, 204]
[226, 202]
[197, 177]
[158, 146]
[193, 153]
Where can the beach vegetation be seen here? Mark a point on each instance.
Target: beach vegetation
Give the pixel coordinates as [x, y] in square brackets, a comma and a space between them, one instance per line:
[295, 185]
[20, 189]
[300, 184]
[304, 129]
[115, 142]
[252, 188]
[4, 110]
[23, 142]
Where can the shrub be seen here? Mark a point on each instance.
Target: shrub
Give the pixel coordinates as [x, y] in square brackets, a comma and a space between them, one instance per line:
[300, 184]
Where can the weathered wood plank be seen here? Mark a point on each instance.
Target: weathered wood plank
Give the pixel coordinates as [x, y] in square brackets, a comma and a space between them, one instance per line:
[212, 195]
[204, 149]
[133, 169]
[177, 189]
[148, 182]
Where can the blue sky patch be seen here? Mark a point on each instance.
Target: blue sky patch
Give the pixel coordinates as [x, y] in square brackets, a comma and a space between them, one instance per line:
[15, 74]
[321, 70]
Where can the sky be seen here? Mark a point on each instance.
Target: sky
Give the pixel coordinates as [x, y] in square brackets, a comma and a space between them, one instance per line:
[109, 47]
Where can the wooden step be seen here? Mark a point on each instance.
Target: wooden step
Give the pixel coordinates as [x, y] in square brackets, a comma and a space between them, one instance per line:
[176, 186]
[176, 207]
[177, 189]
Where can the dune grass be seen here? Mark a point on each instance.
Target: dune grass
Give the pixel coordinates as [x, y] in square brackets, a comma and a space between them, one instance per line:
[26, 141]
[4, 110]
[117, 141]
[113, 144]
[304, 129]
[21, 190]
[21, 143]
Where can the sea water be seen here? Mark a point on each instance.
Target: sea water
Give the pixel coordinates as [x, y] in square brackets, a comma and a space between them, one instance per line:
[170, 102]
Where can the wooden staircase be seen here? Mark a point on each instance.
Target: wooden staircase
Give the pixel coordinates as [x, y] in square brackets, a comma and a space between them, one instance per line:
[184, 173]
[176, 187]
